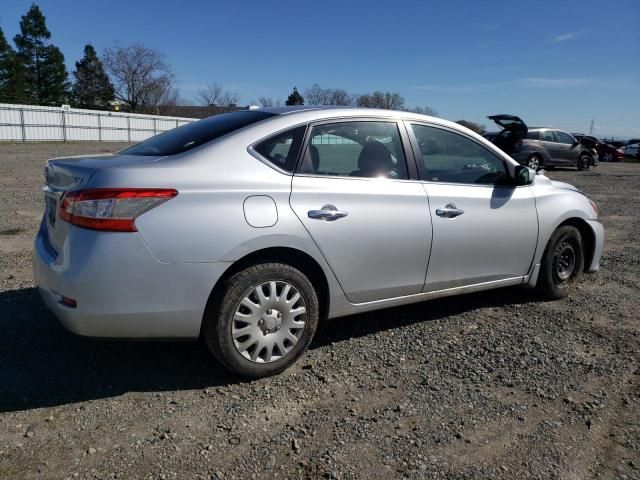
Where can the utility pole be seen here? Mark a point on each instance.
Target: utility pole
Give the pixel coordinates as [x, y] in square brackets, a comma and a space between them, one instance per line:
[591, 128]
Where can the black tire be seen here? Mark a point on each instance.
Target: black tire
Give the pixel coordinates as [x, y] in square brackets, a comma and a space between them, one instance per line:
[562, 263]
[534, 162]
[584, 162]
[218, 319]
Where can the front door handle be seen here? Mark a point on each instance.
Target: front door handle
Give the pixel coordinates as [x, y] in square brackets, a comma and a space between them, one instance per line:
[328, 212]
[449, 211]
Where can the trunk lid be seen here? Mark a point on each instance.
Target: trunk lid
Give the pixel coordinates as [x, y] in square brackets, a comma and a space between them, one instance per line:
[73, 173]
[509, 122]
[513, 131]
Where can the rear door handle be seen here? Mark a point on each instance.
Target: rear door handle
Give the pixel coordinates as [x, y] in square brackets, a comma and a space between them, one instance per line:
[449, 211]
[328, 212]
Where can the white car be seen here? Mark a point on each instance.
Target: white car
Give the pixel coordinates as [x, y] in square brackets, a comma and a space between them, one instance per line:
[250, 227]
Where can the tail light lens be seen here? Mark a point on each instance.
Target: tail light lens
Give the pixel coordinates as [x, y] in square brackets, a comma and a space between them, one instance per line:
[111, 209]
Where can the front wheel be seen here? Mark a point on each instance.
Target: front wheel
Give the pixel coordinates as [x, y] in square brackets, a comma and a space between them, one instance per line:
[608, 157]
[263, 321]
[534, 162]
[584, 162]
[562, 263]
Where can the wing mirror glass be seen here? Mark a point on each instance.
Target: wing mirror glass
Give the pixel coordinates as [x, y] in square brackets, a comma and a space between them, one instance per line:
[524, 175]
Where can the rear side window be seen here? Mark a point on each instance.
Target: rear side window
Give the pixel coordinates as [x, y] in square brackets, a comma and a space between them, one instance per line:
[195, 134]
[282, 149]
[355, 149]
[452, 158]
[533, 135]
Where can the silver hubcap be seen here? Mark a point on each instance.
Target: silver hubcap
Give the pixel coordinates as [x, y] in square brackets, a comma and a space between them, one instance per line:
[564, 261]
[534, 163]
[608, 157]
[269, 321]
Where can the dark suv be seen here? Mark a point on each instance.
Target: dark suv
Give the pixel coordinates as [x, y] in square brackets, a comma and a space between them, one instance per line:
[539, 146]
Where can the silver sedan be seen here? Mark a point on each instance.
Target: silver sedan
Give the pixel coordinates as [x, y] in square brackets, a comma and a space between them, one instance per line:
[249, 228]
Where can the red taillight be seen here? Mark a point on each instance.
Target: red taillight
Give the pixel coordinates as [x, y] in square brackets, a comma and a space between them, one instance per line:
[111, 209]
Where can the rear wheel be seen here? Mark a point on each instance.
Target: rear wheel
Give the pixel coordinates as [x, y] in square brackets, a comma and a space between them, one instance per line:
[562, 263]
[534, 162]
[584, 162]
[263, 321]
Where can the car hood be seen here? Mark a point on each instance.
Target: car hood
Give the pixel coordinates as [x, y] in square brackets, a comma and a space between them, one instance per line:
[541, 179]
[563, 185]
[509, 122]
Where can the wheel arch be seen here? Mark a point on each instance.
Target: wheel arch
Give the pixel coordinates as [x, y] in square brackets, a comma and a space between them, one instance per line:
[588, 238]
[287, 255]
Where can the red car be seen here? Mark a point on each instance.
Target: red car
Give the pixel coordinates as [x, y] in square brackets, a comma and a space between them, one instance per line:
[606, 151]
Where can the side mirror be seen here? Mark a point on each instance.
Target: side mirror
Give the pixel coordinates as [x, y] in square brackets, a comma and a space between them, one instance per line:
[524, 175]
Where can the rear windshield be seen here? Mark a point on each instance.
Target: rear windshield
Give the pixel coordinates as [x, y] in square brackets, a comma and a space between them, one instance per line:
[195, 134]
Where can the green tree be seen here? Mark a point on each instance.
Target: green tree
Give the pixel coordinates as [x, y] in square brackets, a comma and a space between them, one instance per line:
[92, 88]
[46, 78]
[11, 74]
[295, 98]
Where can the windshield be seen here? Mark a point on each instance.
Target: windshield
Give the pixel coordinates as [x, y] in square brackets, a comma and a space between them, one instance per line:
[195, 134]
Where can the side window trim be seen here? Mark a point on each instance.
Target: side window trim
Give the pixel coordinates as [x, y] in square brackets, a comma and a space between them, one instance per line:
[418, 154]
[402, 132]
[251, 149]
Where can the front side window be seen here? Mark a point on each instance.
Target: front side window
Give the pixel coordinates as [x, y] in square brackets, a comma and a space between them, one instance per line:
[547, 136]
[195, 134]
[355, 149]
[282, 149]
[453, 158]
[562, 137]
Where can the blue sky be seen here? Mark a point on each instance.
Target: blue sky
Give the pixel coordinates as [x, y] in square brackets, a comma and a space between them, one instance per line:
[553, 63]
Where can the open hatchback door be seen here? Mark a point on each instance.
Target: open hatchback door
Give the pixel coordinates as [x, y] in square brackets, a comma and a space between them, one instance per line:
[514, 129]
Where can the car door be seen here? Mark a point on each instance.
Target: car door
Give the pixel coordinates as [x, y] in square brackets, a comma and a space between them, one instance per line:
[484, 229]
[552, 148]
[568, 148]
[353, 195]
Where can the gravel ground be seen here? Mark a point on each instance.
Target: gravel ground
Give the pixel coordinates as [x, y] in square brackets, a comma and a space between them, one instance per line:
[490, 385]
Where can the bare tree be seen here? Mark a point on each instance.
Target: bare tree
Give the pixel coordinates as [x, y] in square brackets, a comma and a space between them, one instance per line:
[266, 101]
[377, 99]
[215, 94]
[210, 94]
[141, 76]
[228, 100]
[316, 95]
[341, 97]
[476, 127]
[426, 110]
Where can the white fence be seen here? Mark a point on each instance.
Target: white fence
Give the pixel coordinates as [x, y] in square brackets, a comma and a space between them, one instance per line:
[27, 123]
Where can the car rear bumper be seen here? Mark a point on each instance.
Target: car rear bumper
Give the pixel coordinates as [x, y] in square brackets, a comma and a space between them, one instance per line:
[121, 290]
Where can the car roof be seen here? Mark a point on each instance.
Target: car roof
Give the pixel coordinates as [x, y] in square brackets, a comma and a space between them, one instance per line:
[305, 113]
